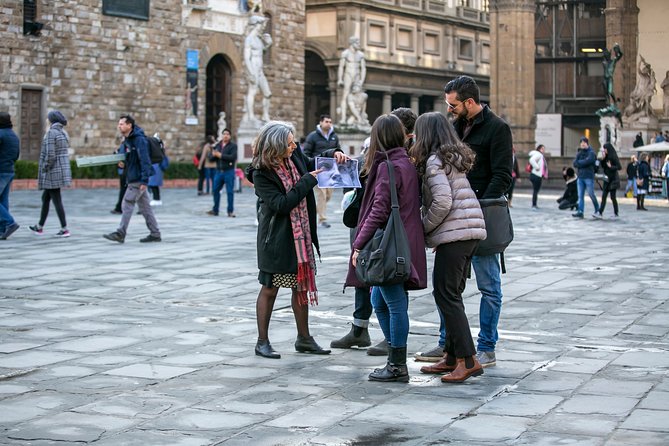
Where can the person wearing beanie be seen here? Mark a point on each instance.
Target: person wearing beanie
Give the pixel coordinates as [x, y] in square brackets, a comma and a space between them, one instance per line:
[585, 162]
[611, 165]
[54, 171]
[9, 153]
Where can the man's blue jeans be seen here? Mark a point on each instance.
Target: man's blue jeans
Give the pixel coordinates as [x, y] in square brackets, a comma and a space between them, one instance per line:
[391, 305]
[631, 184]
[6, 218]
[226, 177]
[582, 184]
[489, 282]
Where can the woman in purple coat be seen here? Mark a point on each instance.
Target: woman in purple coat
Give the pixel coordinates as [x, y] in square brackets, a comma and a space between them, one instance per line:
[391, 303]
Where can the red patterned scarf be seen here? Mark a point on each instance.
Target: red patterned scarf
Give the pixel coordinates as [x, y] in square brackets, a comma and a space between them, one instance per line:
[299, 220]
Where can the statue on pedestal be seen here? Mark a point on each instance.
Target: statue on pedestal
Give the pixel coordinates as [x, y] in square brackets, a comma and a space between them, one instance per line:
[639, 105]
[352, 71]
[221, 125]
[255, 44]
[609, 68]
[665, 90]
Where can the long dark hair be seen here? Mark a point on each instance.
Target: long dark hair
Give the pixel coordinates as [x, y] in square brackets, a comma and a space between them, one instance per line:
[436, 135]
[387, 133]
[611, 155]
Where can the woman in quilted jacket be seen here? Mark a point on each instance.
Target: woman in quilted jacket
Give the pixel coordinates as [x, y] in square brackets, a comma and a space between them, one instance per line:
[54, 171]
[453, 225]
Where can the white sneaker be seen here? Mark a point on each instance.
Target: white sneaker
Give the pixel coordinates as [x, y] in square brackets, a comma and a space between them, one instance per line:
[156, 203]
[614, 217]
[597, 216]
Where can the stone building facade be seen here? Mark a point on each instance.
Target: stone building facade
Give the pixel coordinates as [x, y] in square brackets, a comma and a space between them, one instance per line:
[96, 60]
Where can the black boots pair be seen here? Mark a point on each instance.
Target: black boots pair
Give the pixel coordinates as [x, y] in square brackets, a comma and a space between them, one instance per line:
[640, 199]
[396, 368]
[302, 345]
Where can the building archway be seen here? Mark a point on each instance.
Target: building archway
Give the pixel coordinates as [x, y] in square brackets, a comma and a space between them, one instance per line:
[219, 93]
[316, 92]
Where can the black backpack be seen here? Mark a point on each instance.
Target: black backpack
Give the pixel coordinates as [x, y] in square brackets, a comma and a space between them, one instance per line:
[156, 149]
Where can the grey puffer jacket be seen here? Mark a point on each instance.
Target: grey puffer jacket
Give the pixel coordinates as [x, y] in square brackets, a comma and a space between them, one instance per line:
[54, 160]
[451, 211]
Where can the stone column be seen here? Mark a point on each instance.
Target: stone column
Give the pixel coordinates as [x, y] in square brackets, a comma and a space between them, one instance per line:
[414, 103]
[622, 27]
[387, 102]
[512, 67]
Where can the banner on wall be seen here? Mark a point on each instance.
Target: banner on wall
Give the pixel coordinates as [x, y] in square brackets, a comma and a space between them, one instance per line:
[549, 132]
[192, 64]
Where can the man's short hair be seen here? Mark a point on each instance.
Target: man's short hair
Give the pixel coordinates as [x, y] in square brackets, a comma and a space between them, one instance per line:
[129, 119]
[407, 116]
[226, 130]
[324, 117]
[465, 88]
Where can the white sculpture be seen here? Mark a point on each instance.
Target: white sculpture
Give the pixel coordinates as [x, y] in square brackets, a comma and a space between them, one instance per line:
[639, 104]
[221, 125]
[665, 89]
[357, 104]
[352, 71]
[255, 44]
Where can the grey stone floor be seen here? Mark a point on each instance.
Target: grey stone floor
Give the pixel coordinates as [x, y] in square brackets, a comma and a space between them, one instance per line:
[135, 344]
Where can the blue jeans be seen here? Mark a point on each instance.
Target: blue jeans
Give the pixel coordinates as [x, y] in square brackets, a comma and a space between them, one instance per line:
[391, 305]
[209, 175]
[489, 282]
[582, 184]
[631, 184]
[442, 329]
[6, 218]
[226, 177]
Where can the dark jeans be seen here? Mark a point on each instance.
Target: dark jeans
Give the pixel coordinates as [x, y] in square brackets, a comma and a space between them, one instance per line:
[363, 307]
[200, 179]
[614, 200]
[536, 186]
[155, 191]
[122, 186]
[48, 196]
[449, 277]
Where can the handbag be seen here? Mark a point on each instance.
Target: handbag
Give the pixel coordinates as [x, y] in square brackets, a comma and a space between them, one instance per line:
[528, 168]
[352, 211]
[498, 226]
[386, 258]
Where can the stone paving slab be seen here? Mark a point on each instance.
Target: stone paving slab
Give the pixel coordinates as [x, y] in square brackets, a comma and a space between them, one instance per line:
[109, 344]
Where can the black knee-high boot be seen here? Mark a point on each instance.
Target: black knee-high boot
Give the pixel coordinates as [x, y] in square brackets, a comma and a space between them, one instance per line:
[638, 202]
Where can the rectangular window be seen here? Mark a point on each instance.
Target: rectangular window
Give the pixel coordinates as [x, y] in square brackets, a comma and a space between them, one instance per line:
[485, 52]
[30, 24]
[431, 43]
[405, 38]
[376, 33]
[465, 49]
[134, 9]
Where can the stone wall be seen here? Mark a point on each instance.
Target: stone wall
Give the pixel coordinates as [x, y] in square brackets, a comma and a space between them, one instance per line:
[95, 67]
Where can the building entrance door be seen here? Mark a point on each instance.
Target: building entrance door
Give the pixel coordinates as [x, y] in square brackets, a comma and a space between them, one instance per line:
[31, 123]
[219, 93]
[316, 93]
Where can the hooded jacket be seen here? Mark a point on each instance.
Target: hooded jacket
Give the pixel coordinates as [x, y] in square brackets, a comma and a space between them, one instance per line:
[9, 150]
[317, 143]
[138, 166]
[585, 163]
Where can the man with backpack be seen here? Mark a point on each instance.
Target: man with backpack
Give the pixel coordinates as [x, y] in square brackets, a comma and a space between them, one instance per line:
[138, 169]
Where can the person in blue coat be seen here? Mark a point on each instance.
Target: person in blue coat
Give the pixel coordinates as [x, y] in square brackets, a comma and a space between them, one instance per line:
[9, 153]
[585, 162]
[156, 180]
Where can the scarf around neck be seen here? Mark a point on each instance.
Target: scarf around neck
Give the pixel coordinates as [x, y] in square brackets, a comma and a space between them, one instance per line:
[299, 220]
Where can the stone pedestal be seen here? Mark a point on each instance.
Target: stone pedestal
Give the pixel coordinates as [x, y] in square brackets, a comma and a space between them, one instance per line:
[245, 136]
[351, 140]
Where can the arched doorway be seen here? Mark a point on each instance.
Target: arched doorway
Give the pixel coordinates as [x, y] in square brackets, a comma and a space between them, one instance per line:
[316, 94]
[219, 93]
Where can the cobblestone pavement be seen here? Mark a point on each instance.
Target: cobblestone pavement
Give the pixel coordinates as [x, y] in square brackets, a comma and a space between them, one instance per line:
[152, 344]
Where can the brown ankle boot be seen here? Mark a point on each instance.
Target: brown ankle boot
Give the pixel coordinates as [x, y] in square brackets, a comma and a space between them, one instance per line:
[446, 364]
[461, 372]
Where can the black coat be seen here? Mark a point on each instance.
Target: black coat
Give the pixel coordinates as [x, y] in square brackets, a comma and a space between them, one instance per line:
[316, 144]
[613, 179]
[490, 138]
[275, 242]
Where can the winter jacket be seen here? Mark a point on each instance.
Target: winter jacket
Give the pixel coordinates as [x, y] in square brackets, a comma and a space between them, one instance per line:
[9, 150]
[613, 179]
[451, 211]
[570, 191]
[158, 168]
[644, 172]
[375, 212]
[490, 137]
[275, 243]
[631, 169]
[54, 159]
[537, 161]
[317, 143]
[585, 163]
[138, 166]
[228, 157]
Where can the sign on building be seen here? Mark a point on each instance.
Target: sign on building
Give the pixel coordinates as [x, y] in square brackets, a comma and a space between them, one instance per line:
[549, 132]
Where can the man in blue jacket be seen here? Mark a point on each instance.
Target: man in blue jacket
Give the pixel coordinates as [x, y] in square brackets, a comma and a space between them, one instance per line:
[138, 169]
[9, 153]
[585, 163]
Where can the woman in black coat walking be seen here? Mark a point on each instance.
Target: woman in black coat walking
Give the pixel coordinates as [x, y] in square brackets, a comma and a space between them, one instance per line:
[611, 165]
[284, 179]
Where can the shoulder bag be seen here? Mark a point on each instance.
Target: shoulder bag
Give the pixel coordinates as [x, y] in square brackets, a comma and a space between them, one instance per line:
[386, 258]
[498, 226]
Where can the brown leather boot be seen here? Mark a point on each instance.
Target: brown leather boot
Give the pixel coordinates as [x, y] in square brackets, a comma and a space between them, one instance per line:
[446, 364]
[461, 372]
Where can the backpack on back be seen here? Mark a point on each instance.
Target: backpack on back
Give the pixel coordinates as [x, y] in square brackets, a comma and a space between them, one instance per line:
[156, 149]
